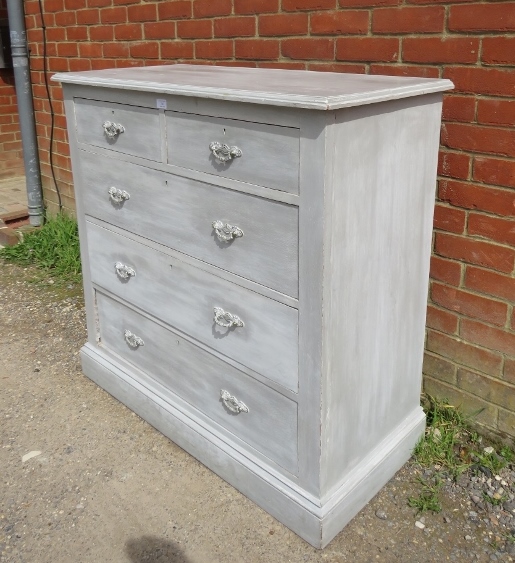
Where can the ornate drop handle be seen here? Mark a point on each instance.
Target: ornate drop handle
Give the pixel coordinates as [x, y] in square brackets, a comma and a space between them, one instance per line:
[223, 152]
[112, 130]
[133, 340]
[226, 232]
[232, 403]
[117, 195]
[226, 319]
[124, 271]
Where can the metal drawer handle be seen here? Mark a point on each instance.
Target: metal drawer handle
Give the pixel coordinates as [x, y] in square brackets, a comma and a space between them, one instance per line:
[226, 232]
[232, 403]
[112, 130]
[133, 340]
[124, 271]
[223, 152]
[117, 195]
[226, 319]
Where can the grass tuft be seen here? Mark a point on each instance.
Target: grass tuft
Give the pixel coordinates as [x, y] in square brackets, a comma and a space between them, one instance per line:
[54, 248]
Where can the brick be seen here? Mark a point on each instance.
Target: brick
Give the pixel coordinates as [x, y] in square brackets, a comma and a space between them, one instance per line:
[128, 32]
[439, 368]
[352, 22]
[308, 48]
[368, 3]
[145, 50]
[284, 65]
[90, 50]
[491, 283]
[476, 252]
[470, 196]
[454, 164]
[405, 70]
[483, 17]
[449, 219]
[494, 171]
[195, 29]
[507, 422]
[113, 15]
[235, 27]
[409, 19]
[74, 4]
[255, 6]
[107, 32]
[54, 6]
[256, 49]
[177, 50]
[294, 5]
[159, 30]
[440, 50]
[98, 3]
[463, 353]
[498, 50]
[171, 10]
[367, 49]
[218, 49]
[509, 372]
[120, 2]
[489, 81]
[496, 112]
[491, 390]
[77, 33]
[494, 228]
[283, 24]
[115, 50]
[441, 320]
[79, 65]
[459, 108]
[488, 336]
[469, 304]
[142, 13]
[67, 50]
[210, 8]
[477, 138]
[482, 412]
[338, 67]
[64, 19]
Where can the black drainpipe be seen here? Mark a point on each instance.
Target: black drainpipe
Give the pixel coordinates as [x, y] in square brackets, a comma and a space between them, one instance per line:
[25, 110]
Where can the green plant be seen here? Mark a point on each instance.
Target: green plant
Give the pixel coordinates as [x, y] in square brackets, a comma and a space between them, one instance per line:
[54, 248]
[495, 501]
[445, 435]
[507, 454]
[428, 498]
[490, 460]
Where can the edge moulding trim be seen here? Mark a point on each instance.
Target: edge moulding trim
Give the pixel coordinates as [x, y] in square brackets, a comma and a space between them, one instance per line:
[316, 524]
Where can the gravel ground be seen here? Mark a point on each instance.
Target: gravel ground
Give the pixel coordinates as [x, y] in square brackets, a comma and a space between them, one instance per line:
[101, 485]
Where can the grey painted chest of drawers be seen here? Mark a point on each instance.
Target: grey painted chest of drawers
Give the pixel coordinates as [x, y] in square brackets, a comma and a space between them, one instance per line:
[256, 253]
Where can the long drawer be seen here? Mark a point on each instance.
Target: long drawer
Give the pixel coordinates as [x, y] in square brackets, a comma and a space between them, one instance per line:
[186, 297]
[270, 425]
[180, 212]
[267, 155]
[129, 129]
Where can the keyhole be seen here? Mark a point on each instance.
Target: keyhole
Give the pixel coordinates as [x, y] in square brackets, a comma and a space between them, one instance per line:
[224, 130]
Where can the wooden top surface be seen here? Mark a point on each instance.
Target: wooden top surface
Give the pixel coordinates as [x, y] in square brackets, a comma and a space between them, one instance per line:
[290, 88]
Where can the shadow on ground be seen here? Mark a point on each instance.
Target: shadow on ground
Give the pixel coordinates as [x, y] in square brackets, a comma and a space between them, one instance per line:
[151, 549]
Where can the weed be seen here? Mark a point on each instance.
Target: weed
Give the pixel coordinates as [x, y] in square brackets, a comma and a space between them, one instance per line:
[491, 461]
[495, 501]
[507, 454]
[54, 248]
[428, 498]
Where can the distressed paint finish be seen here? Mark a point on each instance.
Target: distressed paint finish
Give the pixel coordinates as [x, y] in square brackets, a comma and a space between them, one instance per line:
[366, 169]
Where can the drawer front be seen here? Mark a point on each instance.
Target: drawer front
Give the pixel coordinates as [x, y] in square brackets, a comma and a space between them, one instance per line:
[185, 297]
[269, 153]
[179, 213]
[141, 132]
[270, 425]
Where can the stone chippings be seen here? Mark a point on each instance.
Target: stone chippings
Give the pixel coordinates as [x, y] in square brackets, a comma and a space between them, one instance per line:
[107, 487]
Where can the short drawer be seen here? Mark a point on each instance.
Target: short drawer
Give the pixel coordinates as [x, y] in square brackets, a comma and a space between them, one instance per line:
[140, 136]
[262, 154]
[180, 212]
[185, 297]
[270, 425]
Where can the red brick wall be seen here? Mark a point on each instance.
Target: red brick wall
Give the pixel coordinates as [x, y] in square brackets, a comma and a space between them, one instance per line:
[471, 323]
[11, 159]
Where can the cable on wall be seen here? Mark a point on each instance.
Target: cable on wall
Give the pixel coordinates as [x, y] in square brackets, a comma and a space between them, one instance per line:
[52, 114]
